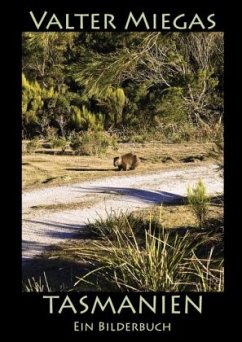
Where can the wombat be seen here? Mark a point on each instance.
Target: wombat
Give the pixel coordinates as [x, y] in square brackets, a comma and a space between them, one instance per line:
[128, 161]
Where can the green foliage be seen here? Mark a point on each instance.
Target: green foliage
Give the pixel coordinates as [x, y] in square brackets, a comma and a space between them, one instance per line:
[109, 80]
[44, 55]
[199, 93]
[177, 133]
[84, 119]
[92, 142]
[33, 101]
[114, 100]
[199, 202]
[121, 221]
[92, 121]
[167, 133]
[172, 106]
[76, 118]
[61, 143]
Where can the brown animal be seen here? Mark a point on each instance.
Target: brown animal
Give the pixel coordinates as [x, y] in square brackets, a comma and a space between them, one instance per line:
[128, 161]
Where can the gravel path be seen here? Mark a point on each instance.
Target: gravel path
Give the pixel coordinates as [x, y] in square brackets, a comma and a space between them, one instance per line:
[43, 226]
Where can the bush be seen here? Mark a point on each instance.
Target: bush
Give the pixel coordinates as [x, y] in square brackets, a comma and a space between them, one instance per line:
[199, 202]
[59, 143]
[217, 150]
[51, 133]
[166, 133]
[32, 145]
[92, 142]
[177, 133]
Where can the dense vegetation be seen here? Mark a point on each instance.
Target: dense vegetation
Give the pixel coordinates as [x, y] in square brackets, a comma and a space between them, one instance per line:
[122, 82]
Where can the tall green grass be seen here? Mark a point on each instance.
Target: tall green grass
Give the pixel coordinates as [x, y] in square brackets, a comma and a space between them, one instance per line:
[161, 260]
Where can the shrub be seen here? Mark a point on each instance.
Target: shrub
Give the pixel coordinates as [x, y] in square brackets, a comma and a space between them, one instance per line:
[61, 143]
[32, 145]
[92, 142]
[199, 202]
[217, 150]
[51, 133]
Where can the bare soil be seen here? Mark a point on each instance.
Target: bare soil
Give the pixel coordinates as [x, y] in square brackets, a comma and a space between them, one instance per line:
[52, 215]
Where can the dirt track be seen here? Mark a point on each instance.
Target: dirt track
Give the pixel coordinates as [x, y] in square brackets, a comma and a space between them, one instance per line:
[48, 219]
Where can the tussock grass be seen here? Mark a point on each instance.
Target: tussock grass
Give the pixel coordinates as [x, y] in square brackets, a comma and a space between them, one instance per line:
[163, 260]
[207, 274]
[127, 223]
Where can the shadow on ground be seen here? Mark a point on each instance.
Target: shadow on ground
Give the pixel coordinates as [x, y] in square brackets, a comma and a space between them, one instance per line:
[65, 231]
[61, 273]
[59, 268]
[155, 197]
[90, 169]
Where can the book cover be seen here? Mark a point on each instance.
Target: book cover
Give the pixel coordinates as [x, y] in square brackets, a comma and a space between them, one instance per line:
[122, 130]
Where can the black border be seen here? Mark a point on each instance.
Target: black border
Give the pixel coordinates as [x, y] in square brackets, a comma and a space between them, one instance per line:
[33, 319]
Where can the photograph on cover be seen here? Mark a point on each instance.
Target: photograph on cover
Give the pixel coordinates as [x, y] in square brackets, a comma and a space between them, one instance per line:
[122, 161]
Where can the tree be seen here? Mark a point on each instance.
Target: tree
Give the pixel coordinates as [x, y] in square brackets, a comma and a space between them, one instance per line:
[185, 61]
[117, 79]
[33, 101]
[44, 56]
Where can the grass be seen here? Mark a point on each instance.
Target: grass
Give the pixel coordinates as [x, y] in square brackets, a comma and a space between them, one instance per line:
[37, 285]
[151, 250]
[65, 206]
[135, 266]
[207, 274]
[156, 259]
[42, 169]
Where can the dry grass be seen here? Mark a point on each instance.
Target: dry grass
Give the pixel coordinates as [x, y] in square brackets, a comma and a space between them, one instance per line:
[179, 216]
[63, 263]
[43, 170]
[65, 206]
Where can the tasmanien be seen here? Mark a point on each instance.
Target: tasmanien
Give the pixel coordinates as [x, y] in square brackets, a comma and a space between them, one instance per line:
[156, 304]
